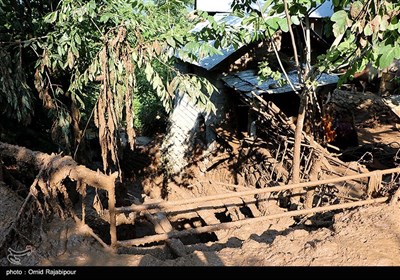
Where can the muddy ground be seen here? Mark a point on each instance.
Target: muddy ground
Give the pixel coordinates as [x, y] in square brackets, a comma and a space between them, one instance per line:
[366, 236]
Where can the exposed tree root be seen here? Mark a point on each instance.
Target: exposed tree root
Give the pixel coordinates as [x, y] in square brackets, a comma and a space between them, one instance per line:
[49, 189]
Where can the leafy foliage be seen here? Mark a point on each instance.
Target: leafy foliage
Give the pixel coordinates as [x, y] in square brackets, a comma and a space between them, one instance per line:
[105, 46]
[20, 27]
[366, 32]
[94, 57]
[151, 117]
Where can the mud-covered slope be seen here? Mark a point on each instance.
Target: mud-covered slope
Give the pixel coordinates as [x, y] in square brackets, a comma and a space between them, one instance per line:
[364, 237]
[367, 236]
[10, 204]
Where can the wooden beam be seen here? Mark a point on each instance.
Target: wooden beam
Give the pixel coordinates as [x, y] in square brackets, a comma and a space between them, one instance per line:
[168, 204]
[216, 227]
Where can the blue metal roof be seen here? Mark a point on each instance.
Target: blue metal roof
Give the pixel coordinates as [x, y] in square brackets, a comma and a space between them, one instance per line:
[224, 6]
[247, 81]
[323, 11]
[210, 62]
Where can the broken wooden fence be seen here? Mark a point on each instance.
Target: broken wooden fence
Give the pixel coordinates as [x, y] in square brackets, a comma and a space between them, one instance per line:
[187, 205]
[63, 167]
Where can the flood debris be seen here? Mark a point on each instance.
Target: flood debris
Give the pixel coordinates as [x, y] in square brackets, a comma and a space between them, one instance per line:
[244, 180]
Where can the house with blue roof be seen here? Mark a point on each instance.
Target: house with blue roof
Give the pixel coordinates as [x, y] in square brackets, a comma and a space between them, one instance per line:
[234, 73]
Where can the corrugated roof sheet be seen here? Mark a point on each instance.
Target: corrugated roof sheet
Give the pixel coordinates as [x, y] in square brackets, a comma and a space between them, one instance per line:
[323, 11]
[210, 62]
[247, 81]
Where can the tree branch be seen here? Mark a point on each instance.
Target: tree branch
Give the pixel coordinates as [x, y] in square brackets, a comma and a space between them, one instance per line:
[296, 58]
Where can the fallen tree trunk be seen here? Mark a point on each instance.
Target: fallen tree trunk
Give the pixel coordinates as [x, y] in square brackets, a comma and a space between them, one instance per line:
[10, 203]
[52, 171]
[61, 167]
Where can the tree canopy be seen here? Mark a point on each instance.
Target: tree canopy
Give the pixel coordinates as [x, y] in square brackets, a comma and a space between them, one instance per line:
[88, 60]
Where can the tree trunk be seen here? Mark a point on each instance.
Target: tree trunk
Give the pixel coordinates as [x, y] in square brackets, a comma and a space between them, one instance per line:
[296, 57]
[298, 138]
[302, 112]
[58, 167]
[75, 120]
[315, 169]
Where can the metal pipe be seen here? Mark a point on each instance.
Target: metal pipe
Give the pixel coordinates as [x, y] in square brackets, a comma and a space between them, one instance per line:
[212, 228]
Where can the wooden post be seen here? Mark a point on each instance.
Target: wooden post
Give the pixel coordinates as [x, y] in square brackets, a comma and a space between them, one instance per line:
[113, 218]
[374, 183]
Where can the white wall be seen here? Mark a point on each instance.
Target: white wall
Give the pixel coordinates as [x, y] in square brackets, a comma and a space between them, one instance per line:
[179, 141]
[214, 5]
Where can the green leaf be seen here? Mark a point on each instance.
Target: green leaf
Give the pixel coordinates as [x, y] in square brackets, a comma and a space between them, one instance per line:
[368, 30]
[105, 17]
[51, 17]
[26, 43]
[295, 20]
[387, 57]
[283, 24]
[251, 19]
[396, 50]
[60, 50]
[394, 24]
[25, 101]
[78, 39]
[171, 42]
[272, 23]
[340, 18]
[74, 49]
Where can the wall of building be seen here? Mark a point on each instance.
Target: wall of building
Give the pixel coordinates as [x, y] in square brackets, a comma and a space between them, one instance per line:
[186, 124]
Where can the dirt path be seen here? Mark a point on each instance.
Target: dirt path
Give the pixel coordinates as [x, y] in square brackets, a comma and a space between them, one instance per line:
[369, 236]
